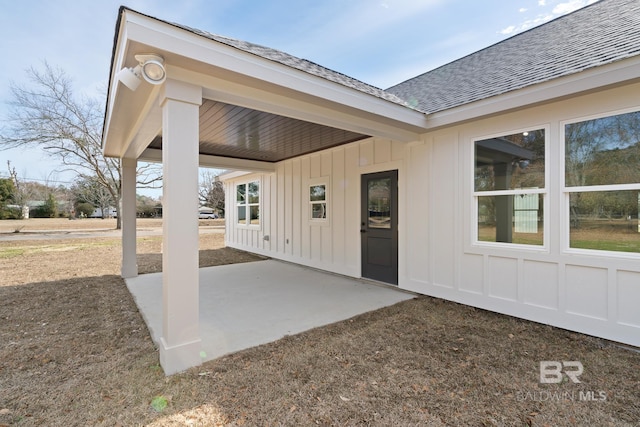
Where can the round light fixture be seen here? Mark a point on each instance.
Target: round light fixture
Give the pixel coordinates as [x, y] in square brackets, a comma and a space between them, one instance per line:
[153, 72]
[152, 68]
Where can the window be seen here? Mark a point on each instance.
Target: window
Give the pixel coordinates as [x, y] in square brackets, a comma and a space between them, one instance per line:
[318, 201]
[602, 182]
[248, 203]
[509, 188]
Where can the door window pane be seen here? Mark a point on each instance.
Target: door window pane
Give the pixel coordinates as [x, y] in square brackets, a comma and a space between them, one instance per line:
[379, 203]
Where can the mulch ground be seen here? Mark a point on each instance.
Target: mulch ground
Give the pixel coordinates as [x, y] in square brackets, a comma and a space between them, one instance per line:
[74, 351]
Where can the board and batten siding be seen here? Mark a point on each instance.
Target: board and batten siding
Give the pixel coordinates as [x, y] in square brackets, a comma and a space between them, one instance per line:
[593, 293]
[286, 230]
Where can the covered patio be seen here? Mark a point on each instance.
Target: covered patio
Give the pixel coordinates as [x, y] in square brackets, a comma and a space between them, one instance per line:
[249, 304]
[211, 101]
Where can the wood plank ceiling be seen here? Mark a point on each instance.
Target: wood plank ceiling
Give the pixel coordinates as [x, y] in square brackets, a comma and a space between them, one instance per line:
[231, 131]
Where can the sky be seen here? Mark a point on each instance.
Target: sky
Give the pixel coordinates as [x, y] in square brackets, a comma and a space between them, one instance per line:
[380, 42]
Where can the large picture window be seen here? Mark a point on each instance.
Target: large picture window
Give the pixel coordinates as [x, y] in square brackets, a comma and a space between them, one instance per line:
[602, 182]
[510, 188]
[248, 203]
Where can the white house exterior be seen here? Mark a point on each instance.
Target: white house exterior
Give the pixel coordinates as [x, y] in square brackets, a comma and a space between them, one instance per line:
[464, 183]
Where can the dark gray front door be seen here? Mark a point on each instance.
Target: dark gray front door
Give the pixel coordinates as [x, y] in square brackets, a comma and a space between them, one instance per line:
[379, 226]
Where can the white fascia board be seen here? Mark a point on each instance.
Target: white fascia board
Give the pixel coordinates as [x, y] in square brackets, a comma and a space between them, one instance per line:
[302, 109]
[131, 119]
[114, 89]
[199, 48]
[153, 155]
[233, 175]
[618, 73]
[146, 128]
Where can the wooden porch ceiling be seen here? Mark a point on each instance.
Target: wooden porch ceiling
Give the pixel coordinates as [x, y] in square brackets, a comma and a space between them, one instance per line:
[231, 131]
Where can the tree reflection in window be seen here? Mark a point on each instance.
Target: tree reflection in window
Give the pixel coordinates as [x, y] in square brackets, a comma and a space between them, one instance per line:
[379, 202]
[318, 201]
[602, 180]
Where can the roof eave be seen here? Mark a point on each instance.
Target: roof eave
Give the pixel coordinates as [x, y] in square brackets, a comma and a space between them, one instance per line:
[607, 76]
[191, 55]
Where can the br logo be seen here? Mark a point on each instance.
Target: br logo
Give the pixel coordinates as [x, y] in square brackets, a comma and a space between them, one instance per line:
[552, 372]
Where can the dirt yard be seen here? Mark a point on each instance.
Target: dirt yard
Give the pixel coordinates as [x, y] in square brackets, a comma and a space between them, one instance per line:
[74, 351]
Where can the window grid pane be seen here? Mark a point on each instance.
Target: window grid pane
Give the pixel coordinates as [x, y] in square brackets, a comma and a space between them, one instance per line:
[515, 219]
[255, 215]
[254, 192]
[240, 193]
[510, 162]
[604, 151]
[318, 211]
[317, 193]
[605, 220]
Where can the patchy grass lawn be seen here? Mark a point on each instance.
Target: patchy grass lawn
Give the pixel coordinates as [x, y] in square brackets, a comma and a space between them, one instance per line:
[74, 351]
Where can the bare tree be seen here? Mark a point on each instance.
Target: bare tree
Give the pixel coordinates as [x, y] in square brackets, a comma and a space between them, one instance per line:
[19, 197]
[46, 115]
[211, 190]
[87, 189]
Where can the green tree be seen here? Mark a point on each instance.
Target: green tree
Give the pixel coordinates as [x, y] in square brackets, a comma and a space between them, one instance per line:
[146, 207]
[50, 208]
[7, 191]
[84, 209]
[7, 196]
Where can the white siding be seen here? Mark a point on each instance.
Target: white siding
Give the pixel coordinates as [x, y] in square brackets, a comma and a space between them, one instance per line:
[597, 295]
[333, 244]
[590, 293]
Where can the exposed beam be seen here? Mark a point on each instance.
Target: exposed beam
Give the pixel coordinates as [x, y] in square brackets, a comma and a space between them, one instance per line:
[153, 155]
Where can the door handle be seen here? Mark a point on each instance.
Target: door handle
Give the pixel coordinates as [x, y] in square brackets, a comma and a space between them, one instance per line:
[363, 231]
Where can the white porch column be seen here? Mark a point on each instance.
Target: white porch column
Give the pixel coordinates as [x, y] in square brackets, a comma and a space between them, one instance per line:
[180, 343]
[128, 212]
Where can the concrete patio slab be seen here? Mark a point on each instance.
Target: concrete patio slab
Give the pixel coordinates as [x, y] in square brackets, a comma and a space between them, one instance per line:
[248, 304]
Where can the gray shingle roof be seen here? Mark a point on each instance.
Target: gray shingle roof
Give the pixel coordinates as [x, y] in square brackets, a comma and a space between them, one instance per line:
[602, 33]
[300, 64]
[288, 60]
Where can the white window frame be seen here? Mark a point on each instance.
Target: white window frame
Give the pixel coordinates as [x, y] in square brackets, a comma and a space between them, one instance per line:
[567, 191]
[247, 206]
[475, 195]
[326, 181]
[324, 202]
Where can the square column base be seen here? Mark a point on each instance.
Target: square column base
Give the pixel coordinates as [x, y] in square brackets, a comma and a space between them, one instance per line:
[129, 271]
[180, 357]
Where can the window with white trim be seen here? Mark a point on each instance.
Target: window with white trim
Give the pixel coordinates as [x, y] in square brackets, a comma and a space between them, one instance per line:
[248, 203]
[509, 188]
[602, 182]
[318, 202]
